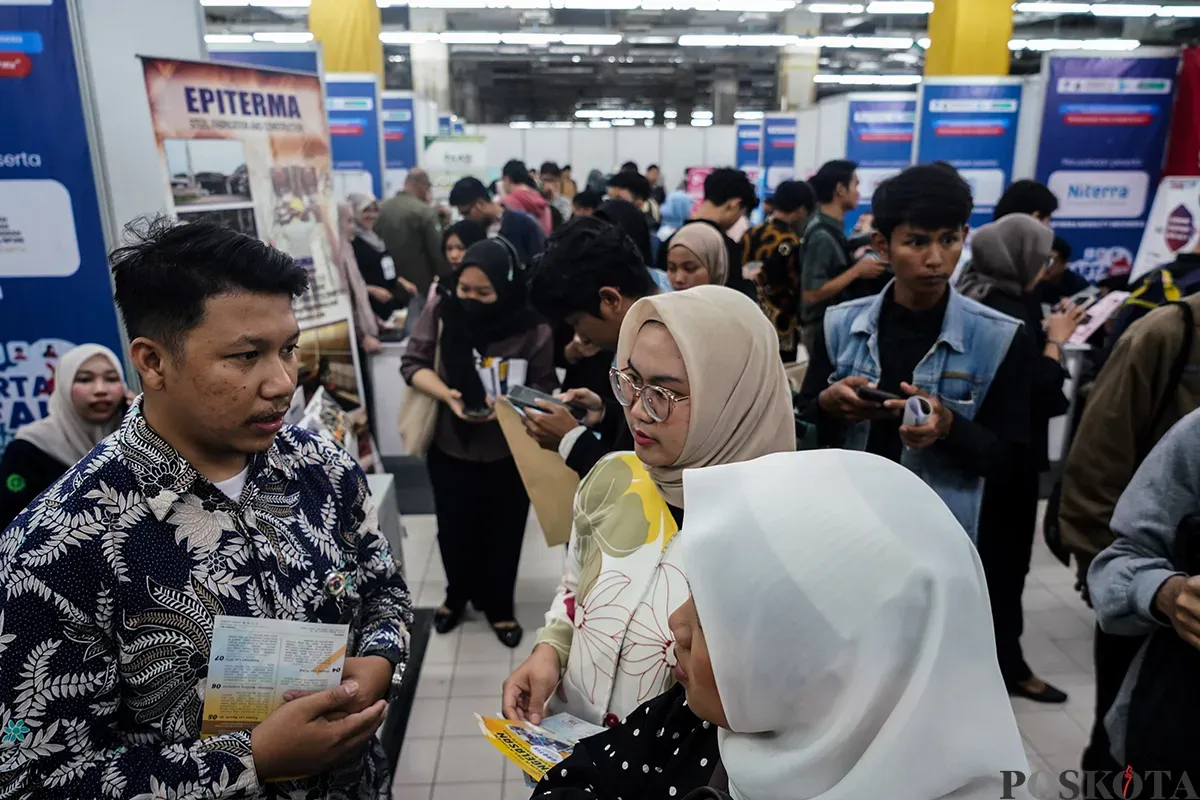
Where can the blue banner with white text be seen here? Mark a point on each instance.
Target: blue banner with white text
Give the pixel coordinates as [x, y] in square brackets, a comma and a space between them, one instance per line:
[1104, 134]
[294, 60]
[972, 125]
[355, 132]
[778, 149]
[749, 153]
[399, 132]
[879, 138]
[54, 284]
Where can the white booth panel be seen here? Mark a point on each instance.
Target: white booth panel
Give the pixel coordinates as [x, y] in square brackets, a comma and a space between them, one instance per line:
[1029, 126]
[547, 144]
[833, 122]
[503, 143]
[640, 145]
[720, 145]
[808, 132]
[592, 148]
[683, 147]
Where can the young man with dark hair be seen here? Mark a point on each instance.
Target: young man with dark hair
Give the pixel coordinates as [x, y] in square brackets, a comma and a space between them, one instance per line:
[560, 206]
[202, 506]
[657, 193]
[586, 203]
[629, 166]
[1027, 197]
[589, 277]
[1060, 282]
[827, 276]
[628, 186]
[473, 201]
[919, 337]
[772, 253]
[728, 196]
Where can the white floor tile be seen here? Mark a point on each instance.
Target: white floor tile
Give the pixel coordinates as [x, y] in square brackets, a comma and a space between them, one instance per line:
[468, 791]
[471, 759]
[435, 680]
[1058, 623]
[418, 762]
[516, 790]
[412, 792]
[482, 647]
[1043, 655]
[479, 680]
[460, 715]
[1079, 651]
[427, 718]
[1053, 733]
[443, 647]
[1039, 598]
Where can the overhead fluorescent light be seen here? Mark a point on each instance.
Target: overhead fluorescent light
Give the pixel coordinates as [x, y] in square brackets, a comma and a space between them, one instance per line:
[756, 6]
[407, 37]
[924, 42]
[228, 38]
[708, 40]
[1179, 11]
[1112, 45]
[469, 37]
[1123, 10]
[224, 3]
[1052, 8]
[670, 113]
[453, 4]
[652, 40]
[529, 38]
[835, 8]
[749, 115]
[832, 41]
[623, 123]
[599, 123]
[701, 123]
[520, 125]
[280, 3]
[597, 5]
[868, 80]
[284, 37]
[1104, 45]
[883, 42]
[669, 126]
[592, 39]
[900, 7]
[699, 114]
[614, 113]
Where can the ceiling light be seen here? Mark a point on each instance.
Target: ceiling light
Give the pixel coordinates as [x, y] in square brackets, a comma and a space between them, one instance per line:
[467, 37]
[756, 6]
[670, 113]
[1123, 10]
[284, 37]
[281, 3]
[749, 115]
[576, 59]
[702, 114]
[597, 5]
[224, 3]
[623, 123]
[652, 40]
[1179, 11]
[900, 7]
[612, 59]
[883, 42]
[835, 8]
[1045, 45]
[407, 37]
[520, 125]
[459, 4]
[702, 123]
[529, 38]
[669, 126]
[649, 123]
[708, 40]
[868, 80]
[228, 38]
[1052, 8]
[924, 43]
[599, 123]
[592, 39]
[614, 113]
[1111, 45]
[832, 41]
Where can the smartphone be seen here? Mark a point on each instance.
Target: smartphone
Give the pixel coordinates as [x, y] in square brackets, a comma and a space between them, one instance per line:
[525, 397]
[874, 395]
[477, 413]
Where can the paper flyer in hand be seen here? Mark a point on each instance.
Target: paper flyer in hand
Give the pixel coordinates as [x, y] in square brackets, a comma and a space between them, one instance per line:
[253, 662]
[536, 749]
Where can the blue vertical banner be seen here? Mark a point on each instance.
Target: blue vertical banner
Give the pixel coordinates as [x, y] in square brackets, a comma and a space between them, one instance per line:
[879, 138]
[1104, 134]
[445, 125]
[290, 59]
[55, 291]
[749, 152]
[458, 128]
[971, 123]
[355, 129]
[778, 149]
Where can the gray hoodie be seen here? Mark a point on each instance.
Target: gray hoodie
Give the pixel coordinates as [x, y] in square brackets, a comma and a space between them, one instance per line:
[1125, 577]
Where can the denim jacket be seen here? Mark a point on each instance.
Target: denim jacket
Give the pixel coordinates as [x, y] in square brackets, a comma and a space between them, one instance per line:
[958, 371]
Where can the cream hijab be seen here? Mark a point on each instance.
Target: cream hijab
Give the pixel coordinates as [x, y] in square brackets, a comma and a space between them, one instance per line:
[740, 402]
[64, 434]
[850, 634]
[707, 244]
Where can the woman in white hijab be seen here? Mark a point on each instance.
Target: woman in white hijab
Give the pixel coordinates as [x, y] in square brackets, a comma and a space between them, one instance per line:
[844, 653]
[697, 255]
[86, 405]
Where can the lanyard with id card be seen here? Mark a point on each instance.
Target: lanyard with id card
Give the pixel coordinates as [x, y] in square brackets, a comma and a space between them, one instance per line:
[389, 268]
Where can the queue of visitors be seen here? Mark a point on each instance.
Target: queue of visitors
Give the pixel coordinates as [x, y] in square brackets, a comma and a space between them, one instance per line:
[844, 598]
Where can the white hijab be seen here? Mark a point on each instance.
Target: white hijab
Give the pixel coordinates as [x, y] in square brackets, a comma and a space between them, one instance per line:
[850, 633]
[64, 434]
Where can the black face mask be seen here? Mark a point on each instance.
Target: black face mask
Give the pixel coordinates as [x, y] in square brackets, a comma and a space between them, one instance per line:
[479, 313]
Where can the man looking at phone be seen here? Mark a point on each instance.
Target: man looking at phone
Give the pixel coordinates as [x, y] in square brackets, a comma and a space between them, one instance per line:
[918, 337]
[203, 504]
[589, 276]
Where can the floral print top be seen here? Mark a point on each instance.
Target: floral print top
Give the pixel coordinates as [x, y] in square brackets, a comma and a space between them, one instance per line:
[623, 580]
[111, 581]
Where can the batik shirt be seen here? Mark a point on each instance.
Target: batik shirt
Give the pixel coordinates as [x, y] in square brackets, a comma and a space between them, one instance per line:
[110, 584]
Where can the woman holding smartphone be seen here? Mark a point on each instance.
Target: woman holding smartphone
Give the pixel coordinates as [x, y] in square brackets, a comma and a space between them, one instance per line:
[86, 406]
[476, 340]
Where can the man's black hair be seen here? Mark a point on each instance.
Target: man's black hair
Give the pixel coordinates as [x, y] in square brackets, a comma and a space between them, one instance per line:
[163, 277]
[1026, 197]
[629, 166]
[792, 195]
[652, 166]
[518, 173]
[466, 191]
[583, 256]
[588, 198]
[839, 172]
[926, 196]
[635, 182]
[550, 169]
[727, 183]
[1062, 247]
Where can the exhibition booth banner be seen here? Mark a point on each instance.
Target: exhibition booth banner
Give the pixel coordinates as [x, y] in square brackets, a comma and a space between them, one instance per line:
[1104, 132]
[399, 139]
[355, 130]
[449, 158]
[749, 152]
[879, 138]
[778, 149]
[1173, 226]
[289, 57]
[1183, 148]
[54, 284]
[971, 123]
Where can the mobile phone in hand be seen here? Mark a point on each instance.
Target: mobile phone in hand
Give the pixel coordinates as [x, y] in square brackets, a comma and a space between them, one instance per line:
[527, 398]
[870, 395]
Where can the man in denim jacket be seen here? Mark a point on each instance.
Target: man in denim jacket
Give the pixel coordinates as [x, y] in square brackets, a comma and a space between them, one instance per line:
[918, 336]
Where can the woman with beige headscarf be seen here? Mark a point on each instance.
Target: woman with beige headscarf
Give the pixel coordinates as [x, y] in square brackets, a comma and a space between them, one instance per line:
[696, 256]
[695, 394]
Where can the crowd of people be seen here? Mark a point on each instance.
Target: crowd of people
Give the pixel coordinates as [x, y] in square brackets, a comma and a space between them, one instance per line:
[846, 594]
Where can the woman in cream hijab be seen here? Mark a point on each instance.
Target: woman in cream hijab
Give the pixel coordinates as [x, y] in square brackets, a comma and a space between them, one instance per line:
[695, 394]
[696, 256]
[842, 654]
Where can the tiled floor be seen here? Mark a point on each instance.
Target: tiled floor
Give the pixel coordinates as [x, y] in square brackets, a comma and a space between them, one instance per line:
[446, 758]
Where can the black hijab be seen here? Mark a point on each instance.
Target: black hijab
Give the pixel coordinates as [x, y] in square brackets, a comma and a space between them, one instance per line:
[630, 219]
[469, 326]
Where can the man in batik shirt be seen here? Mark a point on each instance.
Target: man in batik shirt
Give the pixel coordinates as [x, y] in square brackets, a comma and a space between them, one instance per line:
[202, 504]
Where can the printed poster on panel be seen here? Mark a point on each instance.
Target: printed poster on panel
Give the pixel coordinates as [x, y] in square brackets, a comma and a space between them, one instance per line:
[1173, 226]
[879, 137]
